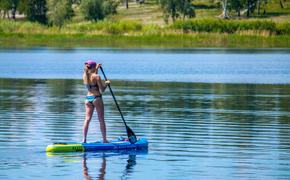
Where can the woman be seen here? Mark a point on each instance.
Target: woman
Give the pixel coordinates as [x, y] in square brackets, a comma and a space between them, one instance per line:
[95, 88]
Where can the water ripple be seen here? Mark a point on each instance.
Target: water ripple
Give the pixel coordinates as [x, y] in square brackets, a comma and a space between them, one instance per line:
[204, 131]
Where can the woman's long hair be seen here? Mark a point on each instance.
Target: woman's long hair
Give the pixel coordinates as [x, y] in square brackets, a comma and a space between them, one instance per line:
[87, 75]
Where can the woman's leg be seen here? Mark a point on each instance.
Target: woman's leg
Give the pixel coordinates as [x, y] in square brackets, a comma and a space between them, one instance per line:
[100, 110]
[89, 114]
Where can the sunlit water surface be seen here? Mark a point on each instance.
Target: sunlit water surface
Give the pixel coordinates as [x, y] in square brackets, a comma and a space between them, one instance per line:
[203, 131]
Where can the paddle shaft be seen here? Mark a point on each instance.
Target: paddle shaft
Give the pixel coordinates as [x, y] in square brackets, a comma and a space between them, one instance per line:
[114, 98]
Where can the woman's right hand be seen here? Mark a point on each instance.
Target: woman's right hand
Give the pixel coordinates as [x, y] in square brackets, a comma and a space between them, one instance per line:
[107, 82]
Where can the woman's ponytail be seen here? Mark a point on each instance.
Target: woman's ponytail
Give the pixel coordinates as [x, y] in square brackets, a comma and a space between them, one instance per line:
[86, 75]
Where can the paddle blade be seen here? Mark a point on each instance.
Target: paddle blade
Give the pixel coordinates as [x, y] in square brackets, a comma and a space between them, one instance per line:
[131, 135]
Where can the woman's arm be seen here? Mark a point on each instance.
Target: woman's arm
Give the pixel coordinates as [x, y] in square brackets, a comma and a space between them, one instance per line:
[102, 86]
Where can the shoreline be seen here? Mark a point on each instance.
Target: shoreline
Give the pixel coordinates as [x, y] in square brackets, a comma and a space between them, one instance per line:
[216, 50]
[119, 82]
[168, 41]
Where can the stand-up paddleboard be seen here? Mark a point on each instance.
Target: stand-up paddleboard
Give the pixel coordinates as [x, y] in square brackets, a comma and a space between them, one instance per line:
[120, 144]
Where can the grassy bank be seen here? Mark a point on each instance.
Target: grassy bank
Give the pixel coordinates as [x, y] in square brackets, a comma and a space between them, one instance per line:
[210, 32]
[129, 27]
[255, 27]
[199, 40]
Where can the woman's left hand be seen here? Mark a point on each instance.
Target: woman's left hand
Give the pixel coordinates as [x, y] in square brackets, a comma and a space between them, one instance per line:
[98, 66]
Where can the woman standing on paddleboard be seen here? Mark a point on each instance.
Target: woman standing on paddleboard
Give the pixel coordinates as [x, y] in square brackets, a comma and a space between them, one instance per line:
[95, 87]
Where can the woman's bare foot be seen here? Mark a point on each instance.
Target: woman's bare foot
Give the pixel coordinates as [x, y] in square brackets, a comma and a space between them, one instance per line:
[105, 141]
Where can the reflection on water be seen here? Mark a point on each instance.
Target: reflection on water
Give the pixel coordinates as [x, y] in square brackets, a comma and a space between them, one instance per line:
[205, 131]
[94, 164]
[102, 170]
[131, 162]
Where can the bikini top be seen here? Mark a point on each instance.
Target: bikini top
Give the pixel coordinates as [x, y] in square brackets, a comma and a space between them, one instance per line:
[91, 87]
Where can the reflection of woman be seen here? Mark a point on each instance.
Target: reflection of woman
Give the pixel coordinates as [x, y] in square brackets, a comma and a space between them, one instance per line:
[85, 169]
[131, 162]
[95, 87]
[102, 169]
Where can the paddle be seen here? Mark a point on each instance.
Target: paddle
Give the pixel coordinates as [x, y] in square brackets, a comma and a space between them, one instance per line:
[131, 135]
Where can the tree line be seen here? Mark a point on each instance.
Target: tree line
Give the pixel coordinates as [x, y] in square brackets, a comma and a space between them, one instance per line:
[246, 6]
[56, 12]
[184, 8]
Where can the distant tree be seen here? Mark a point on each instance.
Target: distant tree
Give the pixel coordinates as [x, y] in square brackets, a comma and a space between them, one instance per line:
[242, 7]
[281, 4]
[187, 8]
[22, 6]
[36, 11]
[251, 5]
[258, 6]
[228, 5]
[225, 13]
[9, 6]
[14, 4]
[236, 5]
[127, 4]
[176, 9]
[59, 11]
[264, 3]
[98, 9]
[110, 7]
[92, 9]
[5, 6]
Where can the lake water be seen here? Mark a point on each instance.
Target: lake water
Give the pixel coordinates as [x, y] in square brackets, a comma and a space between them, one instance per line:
[201, 65]
[208, 114]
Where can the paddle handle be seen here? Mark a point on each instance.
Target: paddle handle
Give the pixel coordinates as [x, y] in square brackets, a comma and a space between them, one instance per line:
[114, 97]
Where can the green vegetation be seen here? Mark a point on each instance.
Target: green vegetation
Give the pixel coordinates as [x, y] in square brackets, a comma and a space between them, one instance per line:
[259, 27]
[35, 10]
[203, 40]
[59, 11]
[147, 24]
[92, 9]
[175, 9]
